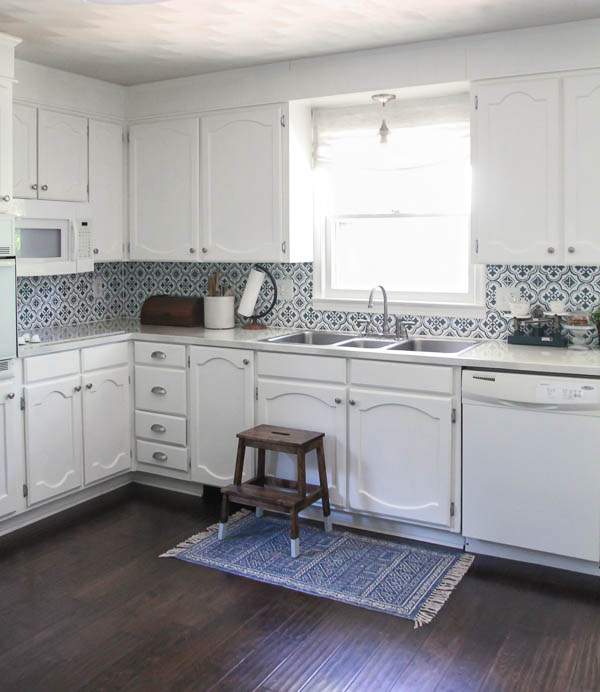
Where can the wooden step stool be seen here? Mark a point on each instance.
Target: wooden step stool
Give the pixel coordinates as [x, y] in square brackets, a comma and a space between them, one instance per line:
[278, 494]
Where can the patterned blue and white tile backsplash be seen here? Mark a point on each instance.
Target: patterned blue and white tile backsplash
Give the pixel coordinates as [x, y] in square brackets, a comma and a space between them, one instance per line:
[70, 300]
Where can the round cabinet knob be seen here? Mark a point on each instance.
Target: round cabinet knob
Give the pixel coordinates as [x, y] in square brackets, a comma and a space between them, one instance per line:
[192, 250]
[88, 385]
[78, 388]
[44, 187]
[34, 186]
[96, 251]
[352, 402]
[6, 198]
[337, 400]
[10, 395]
[246, 361]
[204, 250]
[571, 249]
[551, 250]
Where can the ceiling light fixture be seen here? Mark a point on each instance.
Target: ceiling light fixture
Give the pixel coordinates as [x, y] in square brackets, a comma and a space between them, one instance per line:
[384, 130]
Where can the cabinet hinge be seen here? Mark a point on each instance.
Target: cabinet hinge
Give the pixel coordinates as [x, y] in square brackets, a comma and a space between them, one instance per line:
[476, 102]
[189, 362]
[282, 121]
[128, 247]
[452, 509]
[256, 393]
[131, 453]
[128, 138]
[25, 490]
[453, 415]
[283, 247]
[22, 403]
[88, 188]
[476, 246]
[129, 378]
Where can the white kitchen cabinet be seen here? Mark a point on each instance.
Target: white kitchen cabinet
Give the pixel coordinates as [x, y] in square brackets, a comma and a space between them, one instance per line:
[401, 455]
[517, 172]
[53, 438]
[25, 151]
[308, 406]
[164, 190]
[221, 405]
[107, 189]
[62, 157]
[106, 423]
[6, 145]
[241, 177]
[582, 168]
[9, 449]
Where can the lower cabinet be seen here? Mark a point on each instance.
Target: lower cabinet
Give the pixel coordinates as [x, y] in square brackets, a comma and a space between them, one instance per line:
[308, 406]
[106, 423]
[9, 449]
[401, 454]
[53, 438]
[221, 405]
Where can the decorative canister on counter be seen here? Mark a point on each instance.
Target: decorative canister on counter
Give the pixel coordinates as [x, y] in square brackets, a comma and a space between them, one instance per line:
[219, 312]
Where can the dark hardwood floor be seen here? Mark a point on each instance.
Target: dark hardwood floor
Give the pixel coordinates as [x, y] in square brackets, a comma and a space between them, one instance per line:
[85, 604]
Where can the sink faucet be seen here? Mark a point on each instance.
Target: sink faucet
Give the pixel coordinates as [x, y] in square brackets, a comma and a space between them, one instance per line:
[386, 326]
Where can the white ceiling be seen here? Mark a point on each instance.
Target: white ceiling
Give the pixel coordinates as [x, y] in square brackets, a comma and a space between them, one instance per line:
[175, 38]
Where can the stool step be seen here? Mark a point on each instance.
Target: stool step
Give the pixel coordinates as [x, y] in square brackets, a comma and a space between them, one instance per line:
[248, 493]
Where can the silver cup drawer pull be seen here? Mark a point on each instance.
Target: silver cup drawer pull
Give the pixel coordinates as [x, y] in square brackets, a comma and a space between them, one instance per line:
[160, 391]
[158, 355]
[160, 456]
[158, 428]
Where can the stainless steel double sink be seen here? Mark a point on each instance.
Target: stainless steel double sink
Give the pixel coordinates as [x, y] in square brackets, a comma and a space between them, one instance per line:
[379, 343]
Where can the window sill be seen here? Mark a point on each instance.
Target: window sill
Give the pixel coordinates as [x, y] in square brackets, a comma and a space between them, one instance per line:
[473, 310]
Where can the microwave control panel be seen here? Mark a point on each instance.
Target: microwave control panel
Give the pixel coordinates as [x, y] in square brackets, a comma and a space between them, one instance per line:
[84, 240]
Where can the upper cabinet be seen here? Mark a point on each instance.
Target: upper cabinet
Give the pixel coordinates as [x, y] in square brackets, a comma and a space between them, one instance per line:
[107, 207]
[536, 160]
[516, 173]
[6, 144]
[50, 155]
[582, 168]
[164, 190]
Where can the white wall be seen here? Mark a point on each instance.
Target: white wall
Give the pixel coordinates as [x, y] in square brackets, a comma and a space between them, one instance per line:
[543, 49]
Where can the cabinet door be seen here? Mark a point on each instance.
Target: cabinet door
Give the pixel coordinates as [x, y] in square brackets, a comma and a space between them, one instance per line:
[222, 405]
[106, 423]
[62, 157]
[164, 190]
[401, 455]
[53, 438]
[106, 189]
[242, 186]
[308, 407]
[516, 173]
[9, 449]
[6, 145]
[582, 168]
[25, 151]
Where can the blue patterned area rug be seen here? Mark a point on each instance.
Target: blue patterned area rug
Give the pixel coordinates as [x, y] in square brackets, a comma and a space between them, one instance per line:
[408, 581]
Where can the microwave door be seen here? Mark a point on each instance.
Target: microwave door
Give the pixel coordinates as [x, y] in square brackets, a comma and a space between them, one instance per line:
[8, 309]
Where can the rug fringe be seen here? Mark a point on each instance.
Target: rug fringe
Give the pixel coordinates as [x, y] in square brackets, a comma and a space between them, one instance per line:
[196, 538]
[443, 590]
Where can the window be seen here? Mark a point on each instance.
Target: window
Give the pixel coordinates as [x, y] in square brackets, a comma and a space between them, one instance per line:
[396, 214]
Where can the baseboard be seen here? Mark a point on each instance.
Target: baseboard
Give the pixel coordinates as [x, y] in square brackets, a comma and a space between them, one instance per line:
[173, 484]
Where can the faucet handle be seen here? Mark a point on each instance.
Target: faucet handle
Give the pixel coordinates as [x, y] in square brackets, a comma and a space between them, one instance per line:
[365, 326]
[402, 327]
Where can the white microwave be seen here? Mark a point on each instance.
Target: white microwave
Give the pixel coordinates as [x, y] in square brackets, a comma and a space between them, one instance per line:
[53, 246]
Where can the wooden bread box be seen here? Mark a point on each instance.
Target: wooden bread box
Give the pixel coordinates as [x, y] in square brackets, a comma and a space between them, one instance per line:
[173, 311]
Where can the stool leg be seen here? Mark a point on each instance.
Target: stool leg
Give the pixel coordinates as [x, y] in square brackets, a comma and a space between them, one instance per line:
[260, 469]
[239, 462]
[224, 517]
[301, 462]
[259, 512]
[294, 534]
[324, 488]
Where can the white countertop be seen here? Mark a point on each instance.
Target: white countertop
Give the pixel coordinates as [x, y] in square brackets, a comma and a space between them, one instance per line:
[490, 354]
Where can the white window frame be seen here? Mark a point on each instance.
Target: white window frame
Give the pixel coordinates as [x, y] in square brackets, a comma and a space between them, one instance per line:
[438, 304]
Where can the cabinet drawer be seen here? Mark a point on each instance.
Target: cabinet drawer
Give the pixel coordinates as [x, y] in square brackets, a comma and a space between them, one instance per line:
[169, 355]
[162, 455]
[161, 428]
[160, 390]
[106, 356]
[423, 378]
[51, 366]
[288, 365]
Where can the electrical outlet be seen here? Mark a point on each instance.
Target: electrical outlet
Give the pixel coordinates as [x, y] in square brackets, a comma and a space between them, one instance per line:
[285, 289]
[98, 287]
[506, 295]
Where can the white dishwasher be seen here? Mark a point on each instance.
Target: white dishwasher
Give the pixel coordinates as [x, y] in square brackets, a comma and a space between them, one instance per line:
[531, 462]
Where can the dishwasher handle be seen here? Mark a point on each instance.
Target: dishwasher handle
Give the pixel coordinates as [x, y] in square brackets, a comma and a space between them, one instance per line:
[472, 398]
